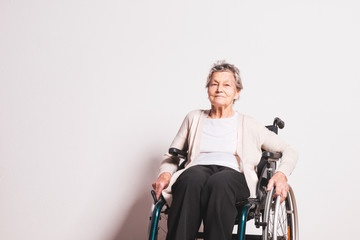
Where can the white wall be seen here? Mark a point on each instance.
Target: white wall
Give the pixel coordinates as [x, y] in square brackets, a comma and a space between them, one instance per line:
[92, 93]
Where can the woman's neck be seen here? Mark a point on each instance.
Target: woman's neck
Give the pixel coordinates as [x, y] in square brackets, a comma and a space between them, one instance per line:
[221, 112]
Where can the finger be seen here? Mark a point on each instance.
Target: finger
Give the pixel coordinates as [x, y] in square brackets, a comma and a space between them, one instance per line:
[156, 186]
[270, 185]
[158, 194]
[282, 199]
[284, 194]
[278, 190]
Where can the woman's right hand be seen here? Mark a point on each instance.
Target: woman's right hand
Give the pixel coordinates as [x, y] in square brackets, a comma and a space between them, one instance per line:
[161, 183]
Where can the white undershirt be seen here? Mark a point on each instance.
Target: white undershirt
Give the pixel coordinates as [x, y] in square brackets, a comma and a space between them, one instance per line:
[218, 143]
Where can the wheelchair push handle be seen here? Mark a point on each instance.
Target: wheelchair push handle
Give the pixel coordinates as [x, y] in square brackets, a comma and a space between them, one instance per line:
[278, 123]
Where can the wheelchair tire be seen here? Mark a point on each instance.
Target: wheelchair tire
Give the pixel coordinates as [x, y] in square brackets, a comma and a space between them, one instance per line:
[281, 219]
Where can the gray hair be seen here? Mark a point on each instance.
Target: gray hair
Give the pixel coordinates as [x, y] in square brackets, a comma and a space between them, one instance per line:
[223, 66]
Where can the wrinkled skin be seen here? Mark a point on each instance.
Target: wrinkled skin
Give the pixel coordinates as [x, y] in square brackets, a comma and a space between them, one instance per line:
[161, 183]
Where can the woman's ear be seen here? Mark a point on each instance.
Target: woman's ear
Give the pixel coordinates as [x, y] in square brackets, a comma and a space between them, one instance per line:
[237, 95]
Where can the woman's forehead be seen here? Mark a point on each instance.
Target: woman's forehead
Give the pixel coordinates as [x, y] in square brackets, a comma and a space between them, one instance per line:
[223, 76]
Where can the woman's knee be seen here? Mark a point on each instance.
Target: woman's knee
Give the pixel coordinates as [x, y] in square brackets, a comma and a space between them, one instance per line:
[228, 182]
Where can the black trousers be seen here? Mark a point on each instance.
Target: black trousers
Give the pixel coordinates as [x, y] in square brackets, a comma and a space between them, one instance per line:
[208, 193]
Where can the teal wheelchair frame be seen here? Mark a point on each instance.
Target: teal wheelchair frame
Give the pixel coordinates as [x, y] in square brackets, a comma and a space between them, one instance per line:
[276, 220]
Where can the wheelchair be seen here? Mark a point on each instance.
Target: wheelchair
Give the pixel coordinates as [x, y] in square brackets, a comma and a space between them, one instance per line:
[274, 219]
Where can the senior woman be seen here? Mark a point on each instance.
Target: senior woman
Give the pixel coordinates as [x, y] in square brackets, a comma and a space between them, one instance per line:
[224, 148]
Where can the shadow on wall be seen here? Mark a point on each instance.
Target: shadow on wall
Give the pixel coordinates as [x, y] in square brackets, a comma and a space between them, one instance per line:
[135, 225]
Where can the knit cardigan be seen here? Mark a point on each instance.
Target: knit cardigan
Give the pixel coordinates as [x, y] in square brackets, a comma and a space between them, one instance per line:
[252, 137]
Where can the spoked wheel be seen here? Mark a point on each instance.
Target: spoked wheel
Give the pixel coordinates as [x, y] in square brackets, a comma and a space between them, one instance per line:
[281, 218]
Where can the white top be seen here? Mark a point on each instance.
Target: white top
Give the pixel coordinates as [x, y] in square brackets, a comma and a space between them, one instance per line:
[218, 143]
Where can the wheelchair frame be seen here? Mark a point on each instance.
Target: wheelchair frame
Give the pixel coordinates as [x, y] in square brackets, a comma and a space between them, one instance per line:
[277, 220]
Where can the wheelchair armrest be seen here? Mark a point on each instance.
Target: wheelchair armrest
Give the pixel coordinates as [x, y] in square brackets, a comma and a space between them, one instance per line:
[271, 155]
[177, 152]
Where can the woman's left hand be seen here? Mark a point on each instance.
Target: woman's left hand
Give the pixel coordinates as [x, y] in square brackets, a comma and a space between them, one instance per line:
[279, 181]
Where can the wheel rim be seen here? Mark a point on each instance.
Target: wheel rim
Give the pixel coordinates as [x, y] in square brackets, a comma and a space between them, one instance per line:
[281, 218]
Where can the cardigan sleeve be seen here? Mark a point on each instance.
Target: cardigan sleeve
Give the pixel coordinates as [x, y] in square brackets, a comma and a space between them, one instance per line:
[170, 163]
[272, 142]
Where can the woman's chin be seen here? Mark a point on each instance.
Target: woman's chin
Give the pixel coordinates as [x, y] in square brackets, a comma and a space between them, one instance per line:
[220, 104]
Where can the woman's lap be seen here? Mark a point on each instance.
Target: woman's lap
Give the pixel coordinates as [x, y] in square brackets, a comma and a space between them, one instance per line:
[214, 177]
[207, 192]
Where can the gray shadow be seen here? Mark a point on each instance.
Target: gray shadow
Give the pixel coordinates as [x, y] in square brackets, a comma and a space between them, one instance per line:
[135, 225]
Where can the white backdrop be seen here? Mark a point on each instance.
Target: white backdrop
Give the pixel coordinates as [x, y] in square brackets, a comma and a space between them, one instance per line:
[93, 92]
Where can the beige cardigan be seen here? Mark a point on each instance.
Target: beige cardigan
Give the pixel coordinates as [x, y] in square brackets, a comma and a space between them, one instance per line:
[252, 136]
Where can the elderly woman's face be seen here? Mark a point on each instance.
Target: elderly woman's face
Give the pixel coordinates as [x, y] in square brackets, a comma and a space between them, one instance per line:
[222, 89]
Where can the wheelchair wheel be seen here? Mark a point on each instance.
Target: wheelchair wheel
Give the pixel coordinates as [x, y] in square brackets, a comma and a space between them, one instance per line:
[281, 219]
[158, 222]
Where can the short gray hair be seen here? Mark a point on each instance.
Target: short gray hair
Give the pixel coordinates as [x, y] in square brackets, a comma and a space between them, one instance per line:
[223, 66]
